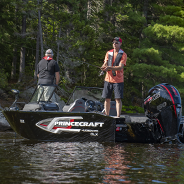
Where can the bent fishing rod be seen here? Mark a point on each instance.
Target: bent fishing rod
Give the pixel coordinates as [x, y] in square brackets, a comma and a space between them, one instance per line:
[101, 72]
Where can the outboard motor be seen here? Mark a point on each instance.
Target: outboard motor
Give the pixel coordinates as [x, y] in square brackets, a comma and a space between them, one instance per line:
[164, 104]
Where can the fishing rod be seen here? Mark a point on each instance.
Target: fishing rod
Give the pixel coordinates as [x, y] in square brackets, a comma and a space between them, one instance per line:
[101, 72]
[39, 50]
[89, 64]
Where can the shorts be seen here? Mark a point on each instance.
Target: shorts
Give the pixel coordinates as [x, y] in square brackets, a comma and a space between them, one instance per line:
[110, 87]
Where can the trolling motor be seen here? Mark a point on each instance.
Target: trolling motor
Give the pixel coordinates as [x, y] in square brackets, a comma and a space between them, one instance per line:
[14, 107]
[163, 104]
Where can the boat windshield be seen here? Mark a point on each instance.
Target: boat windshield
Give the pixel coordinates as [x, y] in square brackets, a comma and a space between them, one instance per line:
[43, 93]
[87, 93]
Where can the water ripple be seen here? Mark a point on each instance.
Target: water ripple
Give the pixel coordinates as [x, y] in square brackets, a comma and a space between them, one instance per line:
[89, 162]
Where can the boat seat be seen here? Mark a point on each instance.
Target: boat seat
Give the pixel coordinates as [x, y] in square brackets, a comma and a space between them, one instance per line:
[41, 106]
[32, 107]
[112, 109]
[50, 106]
[77, 106]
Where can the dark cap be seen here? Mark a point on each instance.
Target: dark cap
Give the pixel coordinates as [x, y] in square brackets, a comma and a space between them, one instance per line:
[118, 39]
[49, 51]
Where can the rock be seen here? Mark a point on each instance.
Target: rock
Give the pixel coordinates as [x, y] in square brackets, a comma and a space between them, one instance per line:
[3, 94]
[1, 108]
[4, 125]
[1, 91]
[27, 93]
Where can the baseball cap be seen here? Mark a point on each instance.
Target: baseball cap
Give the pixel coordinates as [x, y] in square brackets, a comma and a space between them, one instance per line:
[49, 51]
[118, 39]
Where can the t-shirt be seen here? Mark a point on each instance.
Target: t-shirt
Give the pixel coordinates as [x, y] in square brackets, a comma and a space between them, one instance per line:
[46, 69]
[119, 74]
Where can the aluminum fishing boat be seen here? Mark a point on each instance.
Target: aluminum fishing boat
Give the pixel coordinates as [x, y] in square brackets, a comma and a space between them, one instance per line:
[83, 119]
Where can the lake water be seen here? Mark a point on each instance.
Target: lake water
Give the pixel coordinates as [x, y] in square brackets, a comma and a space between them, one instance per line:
[23, 162]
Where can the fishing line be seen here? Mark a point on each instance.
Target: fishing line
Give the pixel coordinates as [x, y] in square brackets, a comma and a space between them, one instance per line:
[101, 72]
[89, 64]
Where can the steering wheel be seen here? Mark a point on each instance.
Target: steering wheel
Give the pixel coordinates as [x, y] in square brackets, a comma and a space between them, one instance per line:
[90, 105]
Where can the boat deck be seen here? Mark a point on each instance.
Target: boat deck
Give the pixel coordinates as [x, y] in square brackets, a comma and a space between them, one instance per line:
[131, 118]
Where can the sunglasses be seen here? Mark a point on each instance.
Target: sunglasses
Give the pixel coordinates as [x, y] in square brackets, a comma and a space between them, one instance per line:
[115, 42]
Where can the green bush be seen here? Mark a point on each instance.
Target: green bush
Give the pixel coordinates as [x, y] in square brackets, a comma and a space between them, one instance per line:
[132, 109]
[3, 79]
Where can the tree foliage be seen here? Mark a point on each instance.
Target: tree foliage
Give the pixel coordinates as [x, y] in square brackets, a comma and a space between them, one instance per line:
[80, 33]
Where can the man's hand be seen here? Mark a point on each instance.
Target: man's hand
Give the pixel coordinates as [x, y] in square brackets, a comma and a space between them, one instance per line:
[113, 68]
[104, 68]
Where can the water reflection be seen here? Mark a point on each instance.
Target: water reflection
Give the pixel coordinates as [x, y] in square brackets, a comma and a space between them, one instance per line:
[61, 162]
[116, 164]
[54, 162]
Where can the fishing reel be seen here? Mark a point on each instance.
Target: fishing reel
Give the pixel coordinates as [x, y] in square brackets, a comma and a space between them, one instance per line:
[101, 73]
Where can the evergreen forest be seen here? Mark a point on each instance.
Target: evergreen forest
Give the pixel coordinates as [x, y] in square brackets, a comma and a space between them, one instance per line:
[80, 33]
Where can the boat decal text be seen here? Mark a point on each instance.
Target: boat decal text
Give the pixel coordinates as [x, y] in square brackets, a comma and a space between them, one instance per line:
[87, 124]
[68, 124]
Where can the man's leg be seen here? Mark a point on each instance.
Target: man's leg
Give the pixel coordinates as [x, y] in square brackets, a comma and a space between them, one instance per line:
[118, 106]
[118, 93]
[46, 93]
[107, 106]
[107, 93]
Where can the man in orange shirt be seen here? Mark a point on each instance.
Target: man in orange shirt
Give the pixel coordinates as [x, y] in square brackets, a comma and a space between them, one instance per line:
[114, 62]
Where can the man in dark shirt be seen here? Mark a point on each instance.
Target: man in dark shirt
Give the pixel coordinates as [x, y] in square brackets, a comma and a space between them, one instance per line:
[48, 69]
[47, 72]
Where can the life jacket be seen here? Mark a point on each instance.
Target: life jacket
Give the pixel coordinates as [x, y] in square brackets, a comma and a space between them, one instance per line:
[44, 73]
[117, 60]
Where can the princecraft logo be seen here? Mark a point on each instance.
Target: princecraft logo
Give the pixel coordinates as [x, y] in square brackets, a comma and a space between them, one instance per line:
[72, 123]
[67, 124]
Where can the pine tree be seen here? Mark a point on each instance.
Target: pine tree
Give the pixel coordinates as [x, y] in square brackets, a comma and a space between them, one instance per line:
[159, 59]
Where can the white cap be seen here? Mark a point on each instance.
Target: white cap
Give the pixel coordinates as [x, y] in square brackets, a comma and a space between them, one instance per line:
[49, 51]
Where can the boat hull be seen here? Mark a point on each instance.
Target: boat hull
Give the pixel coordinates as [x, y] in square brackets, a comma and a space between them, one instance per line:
[61, 126]
[67, 127]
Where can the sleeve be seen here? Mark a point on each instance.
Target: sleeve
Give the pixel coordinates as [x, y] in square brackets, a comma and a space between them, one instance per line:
[124, 59]
[57, 69]
[37, 69]
[106, 56]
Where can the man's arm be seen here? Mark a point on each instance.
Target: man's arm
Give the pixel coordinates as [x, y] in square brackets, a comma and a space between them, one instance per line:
[105, 61]
[37, 70]
[116, 68]
[57, 77]
[104, 64]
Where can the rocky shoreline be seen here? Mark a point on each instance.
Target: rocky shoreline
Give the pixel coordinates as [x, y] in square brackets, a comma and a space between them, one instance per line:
[6, 101]
[4, 125]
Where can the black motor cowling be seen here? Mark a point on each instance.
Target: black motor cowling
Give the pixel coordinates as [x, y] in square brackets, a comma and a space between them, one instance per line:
[164, 104]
